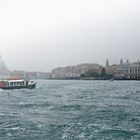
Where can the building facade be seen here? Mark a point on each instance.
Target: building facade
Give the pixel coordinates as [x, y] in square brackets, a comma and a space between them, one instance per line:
[74, 71]
[110, 69]
[130, 71]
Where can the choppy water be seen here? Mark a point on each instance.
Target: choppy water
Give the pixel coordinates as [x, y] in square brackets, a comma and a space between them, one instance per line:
[72, 110]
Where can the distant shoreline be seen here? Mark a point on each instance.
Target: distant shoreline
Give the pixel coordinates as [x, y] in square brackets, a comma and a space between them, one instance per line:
[94, 79]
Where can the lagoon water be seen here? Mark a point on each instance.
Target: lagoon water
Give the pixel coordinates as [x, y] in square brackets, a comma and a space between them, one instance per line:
[72, 110]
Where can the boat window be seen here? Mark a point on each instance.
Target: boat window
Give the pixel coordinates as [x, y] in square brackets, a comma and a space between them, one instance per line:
[21, 83]
[2, 82]
[11, 83]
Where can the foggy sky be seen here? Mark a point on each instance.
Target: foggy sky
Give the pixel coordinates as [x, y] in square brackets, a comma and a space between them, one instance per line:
[39, 35]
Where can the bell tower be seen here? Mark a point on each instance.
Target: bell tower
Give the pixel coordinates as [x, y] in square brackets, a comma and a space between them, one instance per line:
[121, 61]
[107, 63]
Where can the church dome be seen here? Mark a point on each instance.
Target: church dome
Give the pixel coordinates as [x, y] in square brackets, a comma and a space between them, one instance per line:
[3, 68]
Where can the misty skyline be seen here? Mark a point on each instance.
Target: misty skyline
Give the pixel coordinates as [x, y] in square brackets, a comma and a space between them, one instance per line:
[39, 35]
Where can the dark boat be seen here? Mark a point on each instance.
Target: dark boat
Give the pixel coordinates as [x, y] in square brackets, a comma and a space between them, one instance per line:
[17, 84]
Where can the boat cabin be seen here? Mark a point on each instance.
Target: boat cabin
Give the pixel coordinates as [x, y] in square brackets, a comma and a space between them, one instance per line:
[17, 84]
[13, 83]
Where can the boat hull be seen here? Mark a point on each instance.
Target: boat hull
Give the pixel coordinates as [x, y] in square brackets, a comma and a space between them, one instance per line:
[19, 87]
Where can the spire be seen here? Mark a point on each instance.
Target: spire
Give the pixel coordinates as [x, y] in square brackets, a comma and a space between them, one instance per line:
[127, 61]
[107, 63]
[121, 61]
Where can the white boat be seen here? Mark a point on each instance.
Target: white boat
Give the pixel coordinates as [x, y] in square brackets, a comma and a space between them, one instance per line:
[16, 84]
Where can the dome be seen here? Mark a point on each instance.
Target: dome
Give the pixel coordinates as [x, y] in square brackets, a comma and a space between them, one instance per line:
[3, 68]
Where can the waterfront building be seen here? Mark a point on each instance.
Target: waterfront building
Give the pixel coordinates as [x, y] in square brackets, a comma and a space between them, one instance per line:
[74, 71]
[65, 72]
[31, 75]
[111, 69]
[128, 70]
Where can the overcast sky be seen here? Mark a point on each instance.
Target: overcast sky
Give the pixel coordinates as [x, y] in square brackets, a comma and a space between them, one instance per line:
[39, 35]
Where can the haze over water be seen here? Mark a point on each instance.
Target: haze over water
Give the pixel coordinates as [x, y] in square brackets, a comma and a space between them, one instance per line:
[39, 35]
[72, 110]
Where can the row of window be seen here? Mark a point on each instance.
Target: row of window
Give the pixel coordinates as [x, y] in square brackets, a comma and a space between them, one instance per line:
[16, 83]
[134, 77]
[134, 71]
[20, 83]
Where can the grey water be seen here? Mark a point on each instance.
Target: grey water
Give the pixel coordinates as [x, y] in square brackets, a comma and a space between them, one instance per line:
[72, 110]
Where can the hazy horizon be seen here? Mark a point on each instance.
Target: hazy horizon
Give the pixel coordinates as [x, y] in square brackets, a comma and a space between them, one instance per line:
[39, 35]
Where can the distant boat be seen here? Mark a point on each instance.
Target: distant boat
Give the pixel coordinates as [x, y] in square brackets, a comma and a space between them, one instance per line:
[12, 83]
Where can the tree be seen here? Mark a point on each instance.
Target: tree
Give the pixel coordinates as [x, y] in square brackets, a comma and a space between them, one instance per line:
[91, 73]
